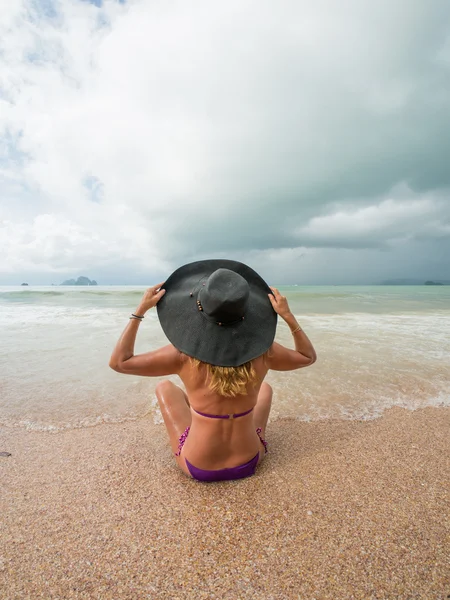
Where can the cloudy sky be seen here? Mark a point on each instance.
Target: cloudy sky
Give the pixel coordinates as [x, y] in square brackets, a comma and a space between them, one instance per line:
[309, 139]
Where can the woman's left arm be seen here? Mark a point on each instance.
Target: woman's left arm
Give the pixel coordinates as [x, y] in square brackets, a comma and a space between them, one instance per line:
[164, 361]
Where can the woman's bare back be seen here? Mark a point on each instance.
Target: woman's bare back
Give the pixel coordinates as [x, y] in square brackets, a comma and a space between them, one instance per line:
[215, 443]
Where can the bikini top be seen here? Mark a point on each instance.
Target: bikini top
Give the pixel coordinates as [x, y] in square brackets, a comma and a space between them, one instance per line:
[231, 416]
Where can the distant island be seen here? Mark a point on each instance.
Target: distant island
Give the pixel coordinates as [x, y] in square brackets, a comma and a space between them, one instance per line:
[415, 282]
[24, 284]
[80, 281]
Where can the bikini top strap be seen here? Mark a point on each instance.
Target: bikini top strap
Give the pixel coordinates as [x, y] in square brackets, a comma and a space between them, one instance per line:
[229, 416]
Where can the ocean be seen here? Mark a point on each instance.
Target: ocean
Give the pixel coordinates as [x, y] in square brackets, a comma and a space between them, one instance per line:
[377, 346]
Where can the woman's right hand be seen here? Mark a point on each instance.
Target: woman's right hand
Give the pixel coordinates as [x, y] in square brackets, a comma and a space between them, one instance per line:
[279, 303]
[150, 298]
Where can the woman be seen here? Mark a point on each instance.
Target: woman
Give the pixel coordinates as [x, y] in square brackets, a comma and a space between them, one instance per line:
[220, 317]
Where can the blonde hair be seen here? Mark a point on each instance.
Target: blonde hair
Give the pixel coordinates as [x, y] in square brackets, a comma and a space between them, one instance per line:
[228, 381]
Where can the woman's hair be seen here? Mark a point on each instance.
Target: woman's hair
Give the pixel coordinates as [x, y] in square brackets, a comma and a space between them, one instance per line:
[228, 381]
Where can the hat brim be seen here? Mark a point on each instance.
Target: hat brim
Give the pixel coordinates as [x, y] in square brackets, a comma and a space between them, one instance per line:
[191, 332]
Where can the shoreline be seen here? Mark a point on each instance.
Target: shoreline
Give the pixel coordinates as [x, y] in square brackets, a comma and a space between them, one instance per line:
[338, 509]
[154, 419]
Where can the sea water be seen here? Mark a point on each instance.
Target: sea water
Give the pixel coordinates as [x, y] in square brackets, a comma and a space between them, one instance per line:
[377, 346]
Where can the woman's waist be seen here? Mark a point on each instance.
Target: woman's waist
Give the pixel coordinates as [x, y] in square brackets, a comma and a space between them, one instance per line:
[208, 446]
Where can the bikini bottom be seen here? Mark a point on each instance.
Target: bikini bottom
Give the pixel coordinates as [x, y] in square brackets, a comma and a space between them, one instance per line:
[246, 470]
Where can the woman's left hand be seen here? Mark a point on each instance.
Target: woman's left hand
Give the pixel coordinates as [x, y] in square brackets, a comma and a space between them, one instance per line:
[150, 298]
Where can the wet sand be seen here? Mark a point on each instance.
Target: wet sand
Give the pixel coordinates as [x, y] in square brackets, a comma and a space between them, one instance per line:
[339, 510]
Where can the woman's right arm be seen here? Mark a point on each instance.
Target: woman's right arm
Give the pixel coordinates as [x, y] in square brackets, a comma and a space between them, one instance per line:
[157, 363]
[281, 358]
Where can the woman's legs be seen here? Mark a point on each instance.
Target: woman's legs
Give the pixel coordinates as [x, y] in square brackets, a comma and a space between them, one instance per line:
[176, 413]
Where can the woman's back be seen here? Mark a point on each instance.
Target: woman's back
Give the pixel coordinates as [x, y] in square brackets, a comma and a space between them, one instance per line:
[215, 441]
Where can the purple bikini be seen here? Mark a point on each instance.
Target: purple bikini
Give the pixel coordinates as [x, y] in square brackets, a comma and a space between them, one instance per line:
[239, 472]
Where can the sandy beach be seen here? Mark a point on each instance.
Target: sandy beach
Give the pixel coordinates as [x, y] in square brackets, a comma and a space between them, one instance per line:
[338, 510]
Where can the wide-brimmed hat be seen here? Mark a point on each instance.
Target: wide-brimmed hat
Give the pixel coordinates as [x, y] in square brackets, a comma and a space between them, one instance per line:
[218, 311]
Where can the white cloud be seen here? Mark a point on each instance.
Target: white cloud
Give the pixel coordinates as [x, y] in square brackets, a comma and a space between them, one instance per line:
[53, 244]
[390, 220]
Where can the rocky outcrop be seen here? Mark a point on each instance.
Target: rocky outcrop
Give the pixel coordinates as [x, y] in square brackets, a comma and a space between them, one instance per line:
[80, 281]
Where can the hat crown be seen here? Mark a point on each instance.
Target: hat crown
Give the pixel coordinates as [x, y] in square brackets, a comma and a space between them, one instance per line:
[224, 296]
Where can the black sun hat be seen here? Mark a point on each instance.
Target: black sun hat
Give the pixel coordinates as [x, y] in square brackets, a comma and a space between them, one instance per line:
[218, 311]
